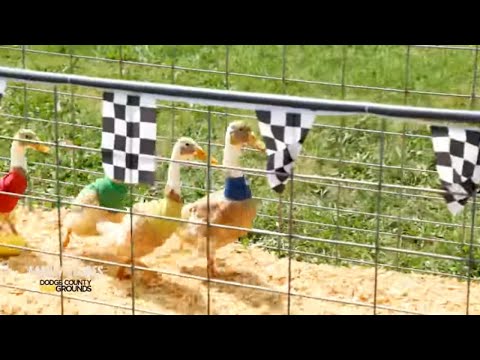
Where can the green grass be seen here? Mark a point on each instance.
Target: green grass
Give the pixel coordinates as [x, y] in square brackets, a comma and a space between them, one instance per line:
[328, 210]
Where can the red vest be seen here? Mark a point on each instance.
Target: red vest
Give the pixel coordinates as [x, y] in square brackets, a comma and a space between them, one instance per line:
[13, 182]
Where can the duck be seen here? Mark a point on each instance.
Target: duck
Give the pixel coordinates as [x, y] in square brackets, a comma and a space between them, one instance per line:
[103, 192]
[15, 181]
[231, 206]
[148, 233]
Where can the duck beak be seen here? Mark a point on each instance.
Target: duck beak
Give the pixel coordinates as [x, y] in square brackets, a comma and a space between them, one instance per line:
[200, 154]
[213, 161]
[255, 143]
[41, 148]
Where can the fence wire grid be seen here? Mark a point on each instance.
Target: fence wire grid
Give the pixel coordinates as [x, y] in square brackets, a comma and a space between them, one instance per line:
[364, 193]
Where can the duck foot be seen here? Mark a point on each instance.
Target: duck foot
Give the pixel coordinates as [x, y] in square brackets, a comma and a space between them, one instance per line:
[66, 240]
[12, 227]
[148, 277]
[212, 268]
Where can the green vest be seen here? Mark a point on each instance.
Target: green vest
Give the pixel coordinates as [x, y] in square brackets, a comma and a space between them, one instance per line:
[110, 194]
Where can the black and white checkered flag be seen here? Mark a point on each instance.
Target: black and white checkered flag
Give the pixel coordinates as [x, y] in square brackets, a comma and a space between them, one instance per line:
[3, 86]
[284, 133]
[457, 153]
[129, 137]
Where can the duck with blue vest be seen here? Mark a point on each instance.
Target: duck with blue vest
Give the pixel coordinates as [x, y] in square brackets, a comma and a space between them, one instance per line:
[232, 206]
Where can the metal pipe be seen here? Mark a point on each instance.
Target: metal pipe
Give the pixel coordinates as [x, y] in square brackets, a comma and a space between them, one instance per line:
[244, 99]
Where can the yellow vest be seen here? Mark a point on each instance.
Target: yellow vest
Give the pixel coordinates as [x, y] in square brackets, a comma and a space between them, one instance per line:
[163, 207]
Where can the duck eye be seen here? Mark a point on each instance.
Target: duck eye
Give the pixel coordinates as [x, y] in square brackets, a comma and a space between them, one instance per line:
[187, 144]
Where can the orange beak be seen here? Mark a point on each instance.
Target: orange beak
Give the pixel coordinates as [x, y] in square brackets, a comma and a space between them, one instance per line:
[255, 143]
[200, 154]
[41, 148]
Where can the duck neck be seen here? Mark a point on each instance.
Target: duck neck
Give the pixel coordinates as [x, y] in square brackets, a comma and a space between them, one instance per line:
[173, 177]
[231, 157]
[17, 156]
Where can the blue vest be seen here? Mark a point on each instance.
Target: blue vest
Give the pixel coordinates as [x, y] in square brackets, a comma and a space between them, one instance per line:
[237, 189]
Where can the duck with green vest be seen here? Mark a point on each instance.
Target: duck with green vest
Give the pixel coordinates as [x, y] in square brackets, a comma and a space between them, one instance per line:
[105, 193]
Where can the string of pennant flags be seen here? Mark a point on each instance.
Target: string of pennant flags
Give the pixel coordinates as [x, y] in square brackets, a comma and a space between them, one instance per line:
[129, 131]
[129, 134]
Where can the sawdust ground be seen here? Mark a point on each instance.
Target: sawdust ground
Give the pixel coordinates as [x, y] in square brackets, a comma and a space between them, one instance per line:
[425, 294]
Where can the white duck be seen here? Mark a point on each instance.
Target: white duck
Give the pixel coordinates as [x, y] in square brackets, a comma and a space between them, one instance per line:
[232, 206]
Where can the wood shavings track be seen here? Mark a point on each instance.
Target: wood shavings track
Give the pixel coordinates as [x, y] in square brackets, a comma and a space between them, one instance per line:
[426, 294]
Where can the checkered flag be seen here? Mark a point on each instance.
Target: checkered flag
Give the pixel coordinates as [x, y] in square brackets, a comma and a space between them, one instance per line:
[284, 133]
[129, 137]
[457, 153]
[3, 85]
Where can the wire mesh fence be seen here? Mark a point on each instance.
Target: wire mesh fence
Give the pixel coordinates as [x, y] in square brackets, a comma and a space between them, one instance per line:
[365, 191]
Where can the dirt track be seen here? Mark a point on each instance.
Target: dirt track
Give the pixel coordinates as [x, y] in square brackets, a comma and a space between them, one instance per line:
[425, 294]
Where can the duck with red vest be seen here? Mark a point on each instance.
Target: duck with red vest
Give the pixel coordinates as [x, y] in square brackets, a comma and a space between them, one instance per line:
[15, 181]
